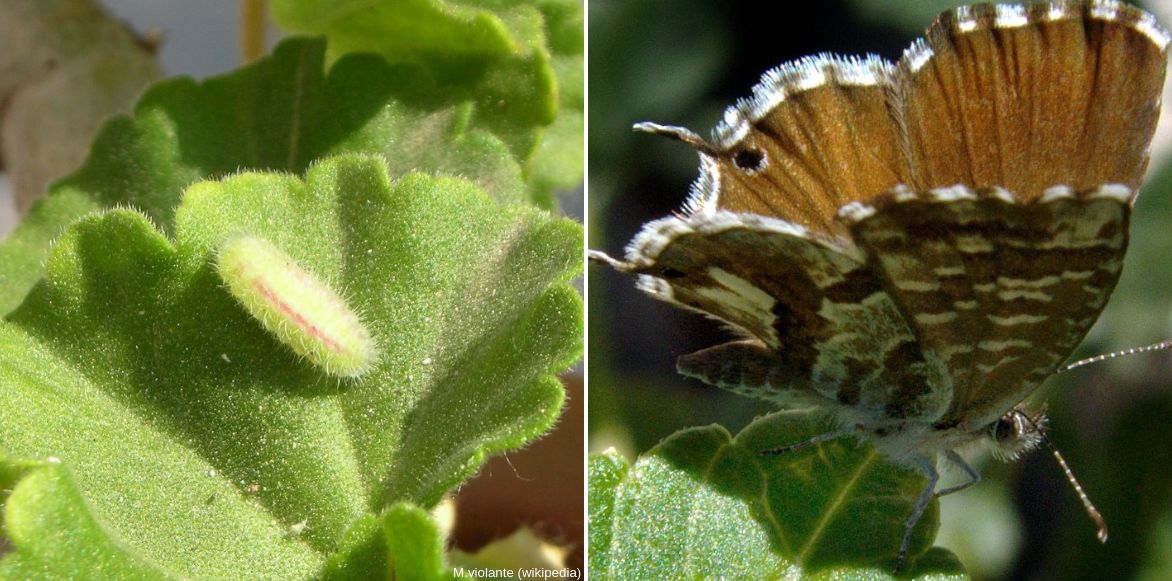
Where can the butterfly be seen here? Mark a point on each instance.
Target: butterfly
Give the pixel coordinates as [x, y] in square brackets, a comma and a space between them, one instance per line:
[914, 247]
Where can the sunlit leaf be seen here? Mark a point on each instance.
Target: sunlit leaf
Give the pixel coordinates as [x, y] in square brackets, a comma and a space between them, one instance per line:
[204, 446]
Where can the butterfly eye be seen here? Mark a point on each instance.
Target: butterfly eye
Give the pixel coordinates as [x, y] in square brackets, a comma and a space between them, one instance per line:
[751, 160]
[671, 273]
[1002, 430]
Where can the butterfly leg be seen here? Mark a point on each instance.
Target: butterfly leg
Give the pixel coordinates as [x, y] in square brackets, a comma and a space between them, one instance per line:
[828, 436]
[974, 476]
[928, 468]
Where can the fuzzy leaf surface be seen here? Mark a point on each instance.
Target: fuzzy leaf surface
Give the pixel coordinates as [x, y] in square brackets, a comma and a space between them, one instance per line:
[206, 448]
[704, 504]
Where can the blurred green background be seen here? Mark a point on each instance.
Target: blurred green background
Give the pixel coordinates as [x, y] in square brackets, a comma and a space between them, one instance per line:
[681, 63]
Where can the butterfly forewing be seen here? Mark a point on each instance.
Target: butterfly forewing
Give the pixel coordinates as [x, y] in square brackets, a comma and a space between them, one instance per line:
[1027, 98]
[1020, 98]
[816, 134]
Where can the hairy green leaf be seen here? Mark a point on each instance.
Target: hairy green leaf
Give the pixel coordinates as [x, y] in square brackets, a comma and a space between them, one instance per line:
[415, 541]
[58, 534]
[703, 504]
[234, 454]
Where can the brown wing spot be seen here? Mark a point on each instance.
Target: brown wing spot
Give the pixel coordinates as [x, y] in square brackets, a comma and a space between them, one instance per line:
[900, 371]
[851, 390]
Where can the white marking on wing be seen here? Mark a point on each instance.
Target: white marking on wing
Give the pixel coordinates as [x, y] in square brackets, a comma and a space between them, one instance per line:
[1017, 320]
[1021, 282]
[917, 285]
[989, 368]
[1012, 295]
[1003, 345]
[936, 318]
[1010, 16]
[973, 244]
[740, 296]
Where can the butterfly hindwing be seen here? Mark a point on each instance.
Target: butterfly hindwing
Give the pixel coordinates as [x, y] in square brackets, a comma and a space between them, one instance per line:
[949, 305]
[814, 303]
[1000, 289]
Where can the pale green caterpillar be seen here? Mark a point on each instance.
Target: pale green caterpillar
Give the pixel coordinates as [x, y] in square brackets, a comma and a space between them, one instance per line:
[292, 304]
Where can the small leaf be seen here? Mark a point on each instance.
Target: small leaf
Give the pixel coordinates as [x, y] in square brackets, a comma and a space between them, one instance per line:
[703, 504]
[402, 543]
[414, 541]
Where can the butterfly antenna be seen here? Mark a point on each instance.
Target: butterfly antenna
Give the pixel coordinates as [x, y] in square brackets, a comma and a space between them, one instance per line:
[1096, 516]
[679, 134]
[1161, 346]
[603, 258]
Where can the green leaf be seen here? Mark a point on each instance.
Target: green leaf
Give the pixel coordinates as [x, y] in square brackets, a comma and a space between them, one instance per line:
[281, 113]
[405, 531]
[520, 61]
[207, 446]
[362, 553]
[703, 504]
[606, 473]
[415, 541]
[557, 162]
[58, 535]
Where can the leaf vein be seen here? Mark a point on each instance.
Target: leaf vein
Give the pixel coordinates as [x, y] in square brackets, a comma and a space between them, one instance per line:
[833, 507]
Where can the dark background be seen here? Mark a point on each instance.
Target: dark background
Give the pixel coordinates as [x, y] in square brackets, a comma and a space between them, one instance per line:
[681, 63]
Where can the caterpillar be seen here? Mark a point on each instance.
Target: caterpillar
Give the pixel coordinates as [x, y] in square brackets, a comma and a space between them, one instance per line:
[296, 307]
